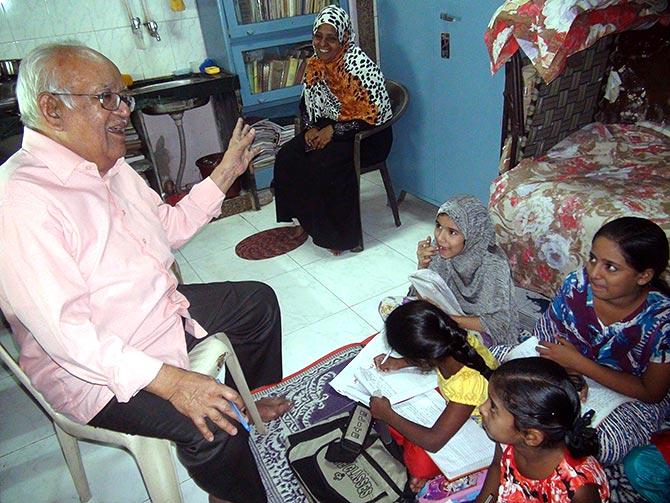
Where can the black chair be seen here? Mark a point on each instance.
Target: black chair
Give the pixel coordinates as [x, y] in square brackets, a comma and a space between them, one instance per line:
[399, 100]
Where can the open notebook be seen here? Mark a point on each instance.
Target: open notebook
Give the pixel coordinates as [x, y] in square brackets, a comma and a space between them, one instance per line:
[599, 398]
[469, 450]
[360, 379]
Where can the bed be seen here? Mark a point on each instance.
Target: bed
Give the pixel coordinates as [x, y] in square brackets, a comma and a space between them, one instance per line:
[583, 137]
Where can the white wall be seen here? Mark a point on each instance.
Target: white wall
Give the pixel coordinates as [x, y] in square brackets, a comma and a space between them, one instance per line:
[104, 26]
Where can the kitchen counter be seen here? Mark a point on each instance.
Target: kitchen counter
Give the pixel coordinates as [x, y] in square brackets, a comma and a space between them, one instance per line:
[149, 92]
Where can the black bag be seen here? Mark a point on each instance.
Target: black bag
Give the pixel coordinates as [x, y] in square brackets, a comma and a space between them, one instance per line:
[342, 459]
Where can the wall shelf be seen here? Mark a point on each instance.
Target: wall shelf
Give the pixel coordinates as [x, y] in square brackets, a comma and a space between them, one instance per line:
[266, 54]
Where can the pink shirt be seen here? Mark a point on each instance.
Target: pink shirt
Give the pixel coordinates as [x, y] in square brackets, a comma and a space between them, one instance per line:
[85, 278]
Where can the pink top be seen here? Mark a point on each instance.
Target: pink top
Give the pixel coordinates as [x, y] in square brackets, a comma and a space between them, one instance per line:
[85, 278]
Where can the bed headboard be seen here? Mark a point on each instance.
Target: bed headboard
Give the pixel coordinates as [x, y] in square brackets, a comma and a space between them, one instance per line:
[575, 97]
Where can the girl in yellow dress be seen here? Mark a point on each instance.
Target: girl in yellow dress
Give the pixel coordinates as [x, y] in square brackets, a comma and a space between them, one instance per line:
[429, 339]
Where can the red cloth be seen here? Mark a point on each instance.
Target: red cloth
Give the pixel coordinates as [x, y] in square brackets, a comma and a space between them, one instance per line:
[416, 459]
[662, 442]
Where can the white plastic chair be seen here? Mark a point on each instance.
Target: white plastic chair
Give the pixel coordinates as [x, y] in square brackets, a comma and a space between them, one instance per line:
[152, 455]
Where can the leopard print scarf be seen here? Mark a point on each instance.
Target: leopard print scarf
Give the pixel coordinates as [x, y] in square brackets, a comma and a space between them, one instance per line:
[350, 87]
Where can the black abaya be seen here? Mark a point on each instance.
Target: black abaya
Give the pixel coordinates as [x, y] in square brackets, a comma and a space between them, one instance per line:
[320, 189]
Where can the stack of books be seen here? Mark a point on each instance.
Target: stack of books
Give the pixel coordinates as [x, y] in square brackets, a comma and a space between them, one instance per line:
[135, 155]
[270, 136]
[255, 11]
[267, 71]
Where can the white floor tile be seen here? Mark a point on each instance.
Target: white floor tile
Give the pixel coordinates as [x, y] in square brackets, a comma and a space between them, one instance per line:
[192, 493]
[23, 421]
[368, 309]
[225, 265]
[406, 238]
[217, 236]
[39, 471]
[11, 347]
[303, 300]
[263, 219]
[355, 277]
[310, 343]
[374, 177]
[188, 274]
[309, 253]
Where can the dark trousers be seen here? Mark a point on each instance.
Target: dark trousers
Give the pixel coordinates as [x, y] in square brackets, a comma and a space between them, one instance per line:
[248, 313]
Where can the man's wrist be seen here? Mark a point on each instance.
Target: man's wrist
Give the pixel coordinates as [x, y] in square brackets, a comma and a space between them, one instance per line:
[223, 180]
[166, 381]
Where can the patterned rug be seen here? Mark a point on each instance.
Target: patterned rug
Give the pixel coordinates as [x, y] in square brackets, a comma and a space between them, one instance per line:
[269, 243]
[314, 399]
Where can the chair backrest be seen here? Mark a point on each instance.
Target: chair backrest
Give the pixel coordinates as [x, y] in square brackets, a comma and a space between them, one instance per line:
[13, 365]
[399, 97]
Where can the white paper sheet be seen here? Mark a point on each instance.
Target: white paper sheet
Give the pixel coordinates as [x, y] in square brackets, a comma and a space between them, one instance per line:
[469, 450]
[599, 398]
[430, 286]
[360, 379]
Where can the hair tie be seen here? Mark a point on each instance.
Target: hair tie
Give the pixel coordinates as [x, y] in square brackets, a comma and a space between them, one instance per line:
[581, 423]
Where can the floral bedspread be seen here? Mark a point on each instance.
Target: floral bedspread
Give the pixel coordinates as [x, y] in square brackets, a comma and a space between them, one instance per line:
[546, 210]
[548, 31]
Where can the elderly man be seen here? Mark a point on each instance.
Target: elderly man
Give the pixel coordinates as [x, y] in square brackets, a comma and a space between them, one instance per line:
[85, 281]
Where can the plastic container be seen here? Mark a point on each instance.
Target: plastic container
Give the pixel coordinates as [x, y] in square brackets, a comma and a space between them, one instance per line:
[207, 164]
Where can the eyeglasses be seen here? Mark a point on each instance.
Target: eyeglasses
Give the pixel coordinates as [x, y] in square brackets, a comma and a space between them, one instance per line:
[109, 100]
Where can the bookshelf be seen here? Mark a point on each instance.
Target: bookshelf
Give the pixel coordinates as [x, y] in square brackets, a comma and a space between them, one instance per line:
[266, 43]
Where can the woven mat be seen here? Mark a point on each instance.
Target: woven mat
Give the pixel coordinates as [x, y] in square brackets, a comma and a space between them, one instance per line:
[314, 399]
[270, 243]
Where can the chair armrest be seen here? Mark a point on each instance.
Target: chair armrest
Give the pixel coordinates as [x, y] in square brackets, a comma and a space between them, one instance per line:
[362, 135]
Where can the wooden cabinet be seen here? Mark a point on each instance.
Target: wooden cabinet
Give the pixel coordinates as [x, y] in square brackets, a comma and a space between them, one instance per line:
[266, 43]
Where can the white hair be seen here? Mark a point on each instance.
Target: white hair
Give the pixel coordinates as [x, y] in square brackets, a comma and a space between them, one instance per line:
[38, 73]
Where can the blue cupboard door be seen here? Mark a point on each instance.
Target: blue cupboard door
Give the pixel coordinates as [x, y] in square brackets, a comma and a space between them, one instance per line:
[448, 142]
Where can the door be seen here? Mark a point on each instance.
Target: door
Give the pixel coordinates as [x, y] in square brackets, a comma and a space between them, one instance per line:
[449, 140]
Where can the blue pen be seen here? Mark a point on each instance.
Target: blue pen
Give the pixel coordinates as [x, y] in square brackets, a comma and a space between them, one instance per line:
[238, 413]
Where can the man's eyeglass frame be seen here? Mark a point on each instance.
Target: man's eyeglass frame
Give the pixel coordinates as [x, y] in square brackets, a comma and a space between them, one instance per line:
[128, 100]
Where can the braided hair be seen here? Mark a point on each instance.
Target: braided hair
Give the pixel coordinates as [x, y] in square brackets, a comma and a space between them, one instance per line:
[540, 394]
[424, 335]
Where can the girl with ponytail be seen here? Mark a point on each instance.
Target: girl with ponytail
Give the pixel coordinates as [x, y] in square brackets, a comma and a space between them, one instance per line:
[534, 408]
[429, 339]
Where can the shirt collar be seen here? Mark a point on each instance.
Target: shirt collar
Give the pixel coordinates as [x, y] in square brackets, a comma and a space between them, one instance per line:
[59, 159]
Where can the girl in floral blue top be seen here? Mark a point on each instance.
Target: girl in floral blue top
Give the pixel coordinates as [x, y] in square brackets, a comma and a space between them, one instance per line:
[610, 321]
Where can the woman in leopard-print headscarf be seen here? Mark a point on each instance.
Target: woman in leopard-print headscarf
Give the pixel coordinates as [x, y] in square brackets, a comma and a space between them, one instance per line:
[344, 93]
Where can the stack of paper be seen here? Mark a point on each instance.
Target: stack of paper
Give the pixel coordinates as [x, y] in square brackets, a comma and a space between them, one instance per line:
[431, 287]
[469, 450]
[360, 379]
[413, 395]
[599, 398]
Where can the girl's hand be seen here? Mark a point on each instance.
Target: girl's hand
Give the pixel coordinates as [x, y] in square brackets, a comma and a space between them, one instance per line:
[563, 352]
[390, 364]
[424, 252]
[380, 408]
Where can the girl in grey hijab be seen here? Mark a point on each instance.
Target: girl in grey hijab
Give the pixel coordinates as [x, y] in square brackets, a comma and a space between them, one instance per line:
[464, 253]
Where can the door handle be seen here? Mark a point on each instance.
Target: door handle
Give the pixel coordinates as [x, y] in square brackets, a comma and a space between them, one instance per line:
[445, 16]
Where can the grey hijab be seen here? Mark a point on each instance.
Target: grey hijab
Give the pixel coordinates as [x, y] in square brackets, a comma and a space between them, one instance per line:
[479, 276]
